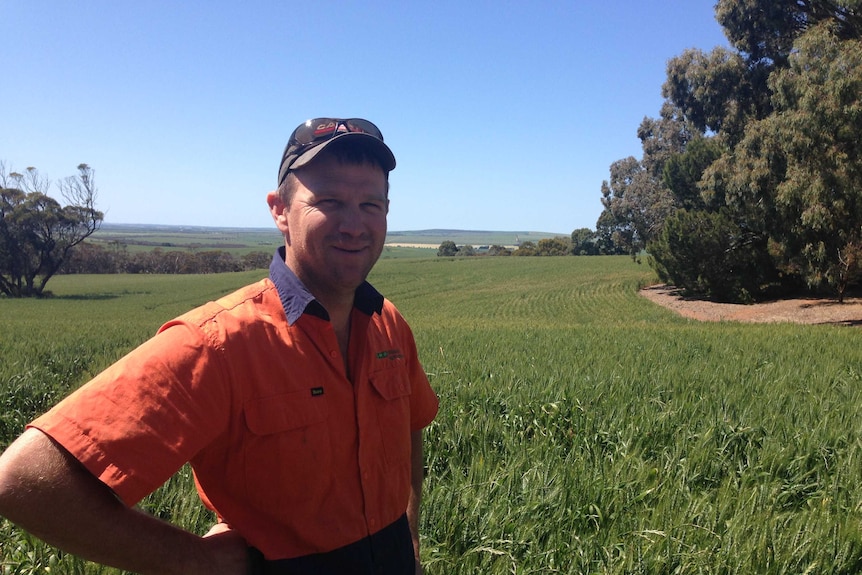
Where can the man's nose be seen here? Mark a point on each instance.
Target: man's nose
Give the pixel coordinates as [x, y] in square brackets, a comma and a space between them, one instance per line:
[351, 221]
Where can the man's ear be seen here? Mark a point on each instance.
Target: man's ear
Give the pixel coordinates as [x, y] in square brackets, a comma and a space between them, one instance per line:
[277, 210]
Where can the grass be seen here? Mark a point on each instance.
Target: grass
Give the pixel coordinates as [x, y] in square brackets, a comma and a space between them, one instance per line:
[582, 428]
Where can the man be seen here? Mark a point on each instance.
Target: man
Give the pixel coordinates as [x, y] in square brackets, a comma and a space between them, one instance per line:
[298, 400]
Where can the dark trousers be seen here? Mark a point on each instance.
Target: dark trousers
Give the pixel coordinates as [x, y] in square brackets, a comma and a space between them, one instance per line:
[387, 552]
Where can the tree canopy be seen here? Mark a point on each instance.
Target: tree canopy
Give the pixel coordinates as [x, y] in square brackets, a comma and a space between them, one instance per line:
[37, 234]
[751, 178]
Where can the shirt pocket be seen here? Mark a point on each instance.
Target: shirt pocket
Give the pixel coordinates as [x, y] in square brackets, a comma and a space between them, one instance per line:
[392, 407]
[287, 451]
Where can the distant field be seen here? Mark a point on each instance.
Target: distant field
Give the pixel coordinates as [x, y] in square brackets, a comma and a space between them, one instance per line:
[462, 237]
[147, 237]
[582, 428]
[243, 240]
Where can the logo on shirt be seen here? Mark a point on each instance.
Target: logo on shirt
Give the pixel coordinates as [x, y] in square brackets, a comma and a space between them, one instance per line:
[392, 354]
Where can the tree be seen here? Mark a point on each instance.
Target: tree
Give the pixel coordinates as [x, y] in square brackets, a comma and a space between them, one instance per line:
[765, 30]
[707, 253]
[527, 248]
[447, 249]
[774, 156]
[90, 258]
[683, 172]
[558, 246]
[803, 160]
[662, 138]
[605, 234]
[584, 242]
[37, 234]
[256, 261]
[467, 250]
[637, 204]
[713, 92]
[635, 198]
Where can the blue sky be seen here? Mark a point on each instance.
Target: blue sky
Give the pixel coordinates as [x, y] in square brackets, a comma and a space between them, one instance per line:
[502, 115]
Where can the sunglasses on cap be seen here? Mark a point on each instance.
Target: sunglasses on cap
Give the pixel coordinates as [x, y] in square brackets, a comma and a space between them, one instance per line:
[318, 131]
[321, 129]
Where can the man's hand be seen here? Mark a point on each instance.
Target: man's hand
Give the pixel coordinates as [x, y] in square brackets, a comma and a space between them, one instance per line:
[227, 550]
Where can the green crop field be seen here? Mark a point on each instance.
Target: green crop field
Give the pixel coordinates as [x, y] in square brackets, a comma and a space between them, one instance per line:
[582, 429]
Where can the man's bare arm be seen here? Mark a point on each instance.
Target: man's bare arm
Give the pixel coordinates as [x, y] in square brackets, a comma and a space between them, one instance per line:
[46, 491]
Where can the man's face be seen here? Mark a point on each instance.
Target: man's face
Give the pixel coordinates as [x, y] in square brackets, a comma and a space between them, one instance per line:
[335, 225]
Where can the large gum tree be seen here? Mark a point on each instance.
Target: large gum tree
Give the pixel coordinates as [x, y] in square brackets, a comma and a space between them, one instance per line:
[774, 151]
[37, 233]
[813, 138]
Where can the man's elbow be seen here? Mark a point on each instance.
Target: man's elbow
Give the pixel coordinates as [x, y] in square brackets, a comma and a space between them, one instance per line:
[12, 488]
[24, 466]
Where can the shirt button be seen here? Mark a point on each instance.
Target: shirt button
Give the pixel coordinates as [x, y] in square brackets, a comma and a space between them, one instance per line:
[333, 354]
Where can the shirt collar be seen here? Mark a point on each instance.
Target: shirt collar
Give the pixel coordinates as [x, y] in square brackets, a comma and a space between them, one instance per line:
[296, 299]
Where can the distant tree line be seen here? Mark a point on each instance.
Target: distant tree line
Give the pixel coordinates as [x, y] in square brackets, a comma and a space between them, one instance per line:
[91, 258]
[582, 242]
[750, 183]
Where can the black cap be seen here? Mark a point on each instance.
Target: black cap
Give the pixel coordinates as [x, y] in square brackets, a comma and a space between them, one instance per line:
[313, 136]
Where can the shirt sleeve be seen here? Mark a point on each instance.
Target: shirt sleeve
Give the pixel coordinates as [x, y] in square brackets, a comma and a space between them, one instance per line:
[424, 403]
[135, 424]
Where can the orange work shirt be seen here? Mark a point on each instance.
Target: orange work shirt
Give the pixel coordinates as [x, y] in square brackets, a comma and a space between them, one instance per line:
[294, 455]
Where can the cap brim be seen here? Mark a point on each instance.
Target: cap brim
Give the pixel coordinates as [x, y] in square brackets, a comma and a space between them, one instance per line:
[374, 145]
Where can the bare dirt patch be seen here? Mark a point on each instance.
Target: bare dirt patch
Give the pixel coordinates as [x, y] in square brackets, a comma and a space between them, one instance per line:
[409, 245]
[802, 310]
